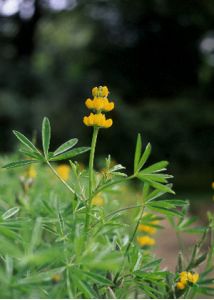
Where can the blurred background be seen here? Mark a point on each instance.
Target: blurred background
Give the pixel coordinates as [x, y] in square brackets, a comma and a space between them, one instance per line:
[156, 57]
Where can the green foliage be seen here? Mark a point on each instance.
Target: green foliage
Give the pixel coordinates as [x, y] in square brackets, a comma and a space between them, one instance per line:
[69, 241]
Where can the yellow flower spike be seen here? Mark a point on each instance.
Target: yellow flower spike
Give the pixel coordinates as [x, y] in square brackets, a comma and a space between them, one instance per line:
[180, 285]
[145, 241]
[64, 171]
[99, 104]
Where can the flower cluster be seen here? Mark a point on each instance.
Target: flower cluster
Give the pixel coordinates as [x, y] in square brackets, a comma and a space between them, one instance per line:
[99, 104]
[185, 278]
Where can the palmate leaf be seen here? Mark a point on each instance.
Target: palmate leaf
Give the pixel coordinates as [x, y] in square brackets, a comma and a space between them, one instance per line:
[20, 163]
[70, 154]
[46, 135]
[65, 147]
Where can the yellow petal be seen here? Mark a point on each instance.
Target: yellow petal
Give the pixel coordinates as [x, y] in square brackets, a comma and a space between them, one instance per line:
[89, 103]
[108, 123]
[95, 91]
[180, 285]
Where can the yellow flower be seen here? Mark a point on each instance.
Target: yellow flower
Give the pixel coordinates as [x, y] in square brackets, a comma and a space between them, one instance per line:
[97, 201]
[101, 91]
[97, 120]
[31, 172]
[56, 278]
[146, 228]
[99, 104]
[180, 285]
[186, 277]
[193, 278]
[63, 171]
[145, 241]
[183, 277]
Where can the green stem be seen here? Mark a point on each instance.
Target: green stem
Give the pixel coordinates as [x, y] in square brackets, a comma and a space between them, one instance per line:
[91, 173]
[62, 180]
[130, 242]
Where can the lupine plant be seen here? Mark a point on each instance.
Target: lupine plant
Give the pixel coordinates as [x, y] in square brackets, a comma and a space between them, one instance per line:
[63, 241]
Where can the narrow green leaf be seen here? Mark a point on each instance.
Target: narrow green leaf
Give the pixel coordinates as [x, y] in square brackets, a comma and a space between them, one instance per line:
[152, 264]
[40, 276]
[155, 194]
[70, 154]
[10, 212]
[145, 156]
[161, 203]
[25, 141]
[36, 234]
[176, 202]
[83, 287]
[65, 147]
[42, 257]
[9, 248]
[19, 163]
[157, 167]
[137, 152]
[35, 155]
[199, 260]
[99, 278]
[46, 135]
[165, 211]
[159, 186]
[154, 177]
